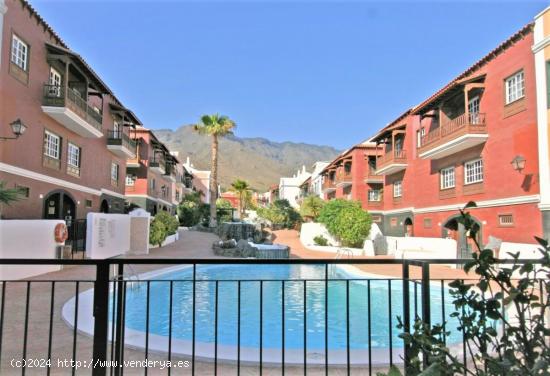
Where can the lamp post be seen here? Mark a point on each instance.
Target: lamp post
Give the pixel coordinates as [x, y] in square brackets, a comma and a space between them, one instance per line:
[518, 163]
[18, 128]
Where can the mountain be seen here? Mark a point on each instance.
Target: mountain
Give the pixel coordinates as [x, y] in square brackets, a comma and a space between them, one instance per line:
[257, 160]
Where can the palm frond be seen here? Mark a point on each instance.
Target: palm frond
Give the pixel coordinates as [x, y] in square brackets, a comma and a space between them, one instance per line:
[8, 196]
[215, 124]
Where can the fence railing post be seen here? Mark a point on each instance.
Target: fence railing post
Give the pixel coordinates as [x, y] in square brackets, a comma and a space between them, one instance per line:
[119, 324]
[101, 319]
[426, 309]
[406, 313]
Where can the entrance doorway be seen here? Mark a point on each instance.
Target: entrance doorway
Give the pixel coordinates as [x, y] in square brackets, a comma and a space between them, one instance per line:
[452, 229]
[60, 205]
[408, 224]
[104, 208]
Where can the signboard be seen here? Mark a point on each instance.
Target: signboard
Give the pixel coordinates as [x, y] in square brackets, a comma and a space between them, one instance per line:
[108, 235]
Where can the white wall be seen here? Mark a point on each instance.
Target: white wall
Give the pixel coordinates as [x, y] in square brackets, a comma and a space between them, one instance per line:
[411, 247]
[27, 239]
[108, 235]
[311, 230]
[526, 251]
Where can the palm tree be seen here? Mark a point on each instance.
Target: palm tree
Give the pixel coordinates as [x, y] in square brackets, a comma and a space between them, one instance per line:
[242, 189]
[214, 126]
[7, 196]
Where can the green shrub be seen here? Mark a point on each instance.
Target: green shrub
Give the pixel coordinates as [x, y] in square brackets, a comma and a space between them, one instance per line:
[320, 240]
[157, 232]
[346, 221]
[203, 214]
[311, 207]
[280, 213]
[224, 210]
[191, 210]
[169, 221]
[186, 215]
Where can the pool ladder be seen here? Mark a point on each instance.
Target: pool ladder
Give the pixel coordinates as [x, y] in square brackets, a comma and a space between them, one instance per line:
[131, 276]
[135, 282]
[340, 254]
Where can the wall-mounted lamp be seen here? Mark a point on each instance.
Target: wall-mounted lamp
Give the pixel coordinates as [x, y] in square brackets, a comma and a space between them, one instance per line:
[18, 128]
[518, 163]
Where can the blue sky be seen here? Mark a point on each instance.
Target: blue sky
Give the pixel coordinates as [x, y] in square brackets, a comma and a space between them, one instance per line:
[324, 72]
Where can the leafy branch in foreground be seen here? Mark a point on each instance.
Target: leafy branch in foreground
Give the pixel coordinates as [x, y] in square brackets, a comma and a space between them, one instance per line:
[502, 313]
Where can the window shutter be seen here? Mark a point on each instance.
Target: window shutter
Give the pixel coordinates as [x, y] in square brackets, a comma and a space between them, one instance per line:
[548, 84]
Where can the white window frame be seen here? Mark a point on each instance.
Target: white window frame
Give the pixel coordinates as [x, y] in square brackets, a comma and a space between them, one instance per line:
[114, 171]
[398, 188]
[477, 175]
[375, 195]
[19, 52]
[130, 180]
[447, 178]
[515, 87]
[117, 131]
[421, 133]
[73, 155]
[52, 145]
[473, 109]
[55, 82]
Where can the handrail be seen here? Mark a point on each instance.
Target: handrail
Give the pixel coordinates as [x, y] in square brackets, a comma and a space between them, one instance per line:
[56, 95]
[123, 137]
[205, 261]
[473, 121]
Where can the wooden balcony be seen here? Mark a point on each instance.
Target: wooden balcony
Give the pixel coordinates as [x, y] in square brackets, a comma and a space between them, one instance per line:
[170, 172]
[372, 178]
[158, 165]
[456, 135]
[391, 162]
[133, 162]
[121, 144]
[344, 178]
[72, 111]
[329, 185]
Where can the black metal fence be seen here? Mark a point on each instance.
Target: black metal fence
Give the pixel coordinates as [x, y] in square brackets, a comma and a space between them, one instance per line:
[77, 237]
[34, 337]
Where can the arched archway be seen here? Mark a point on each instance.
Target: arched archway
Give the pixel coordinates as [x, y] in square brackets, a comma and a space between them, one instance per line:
[408, 226]
[60, 204]
[452, 229]
[104, 208]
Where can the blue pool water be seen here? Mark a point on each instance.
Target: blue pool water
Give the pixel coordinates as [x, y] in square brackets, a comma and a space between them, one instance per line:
[272, 312]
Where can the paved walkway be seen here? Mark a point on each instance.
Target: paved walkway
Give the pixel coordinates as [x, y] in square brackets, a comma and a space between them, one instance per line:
[191, 245]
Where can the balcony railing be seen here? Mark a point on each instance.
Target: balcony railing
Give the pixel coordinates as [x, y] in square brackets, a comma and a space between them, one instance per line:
[55, 96]
[274, 321]
[391, 157]
[372, 177]
[158, 163]
[344, 177]
[471, 123]
[122, 139]
[329, 184]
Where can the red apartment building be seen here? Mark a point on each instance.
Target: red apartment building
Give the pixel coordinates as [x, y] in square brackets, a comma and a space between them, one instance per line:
[152, 174]
[352, 176]
[459, 145]
[72, 158]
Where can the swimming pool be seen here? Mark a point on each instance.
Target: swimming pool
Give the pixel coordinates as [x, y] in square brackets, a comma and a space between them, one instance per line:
[383, 328]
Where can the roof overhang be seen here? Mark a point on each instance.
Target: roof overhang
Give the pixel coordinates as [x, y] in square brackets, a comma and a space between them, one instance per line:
[66, 55]
[130, 119]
